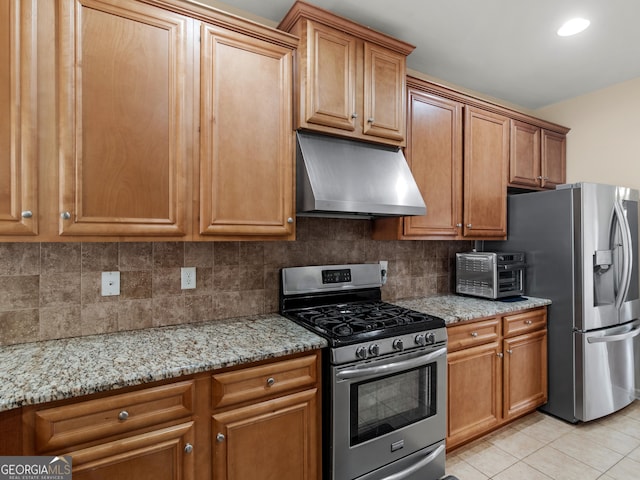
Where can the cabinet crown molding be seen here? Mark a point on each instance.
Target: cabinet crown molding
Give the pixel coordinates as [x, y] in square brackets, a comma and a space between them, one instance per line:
[303, 10]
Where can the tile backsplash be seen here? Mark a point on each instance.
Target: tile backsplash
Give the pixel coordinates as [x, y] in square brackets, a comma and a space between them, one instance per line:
[52, 290]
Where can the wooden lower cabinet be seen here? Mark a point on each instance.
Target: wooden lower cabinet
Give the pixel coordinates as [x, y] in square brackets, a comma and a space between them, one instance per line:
[494, 378]
[164, 454]
[268, 440]
[256, 421]
[475, 392]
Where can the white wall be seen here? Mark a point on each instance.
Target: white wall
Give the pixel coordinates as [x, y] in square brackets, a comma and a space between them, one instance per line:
[603, 145]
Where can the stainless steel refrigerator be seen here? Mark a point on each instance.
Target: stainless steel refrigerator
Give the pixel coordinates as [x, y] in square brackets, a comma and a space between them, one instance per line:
[581, 245]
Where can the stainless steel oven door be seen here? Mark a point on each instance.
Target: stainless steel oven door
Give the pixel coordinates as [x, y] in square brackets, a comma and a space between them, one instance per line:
[387, 409]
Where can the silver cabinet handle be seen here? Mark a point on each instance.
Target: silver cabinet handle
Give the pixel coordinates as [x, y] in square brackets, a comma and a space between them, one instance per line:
[370, 120]
[65, 215]
[500, 355]
[271, 381]
[509, 352]
[458, 225]
[539, 177]
[220, 438]
[468, 225]
[123, 415]
[188, 448]
[474, 334]
[27, 214]
[354, 115]
[289, 220]
[528, 322]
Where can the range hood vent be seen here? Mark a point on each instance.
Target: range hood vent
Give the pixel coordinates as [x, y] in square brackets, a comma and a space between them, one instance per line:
[350, 179]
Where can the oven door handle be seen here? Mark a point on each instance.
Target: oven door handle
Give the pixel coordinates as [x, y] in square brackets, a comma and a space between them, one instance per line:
[416, 466]
[389, 368]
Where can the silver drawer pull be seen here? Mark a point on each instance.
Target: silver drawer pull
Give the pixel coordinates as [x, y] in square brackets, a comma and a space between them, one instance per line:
[220, 438]
[271, 382]
[528, 322]
[474, 334]
[500, 355]
[188, 448]
[509, 352]
[123, 415]
[27, 214]
[65, 215]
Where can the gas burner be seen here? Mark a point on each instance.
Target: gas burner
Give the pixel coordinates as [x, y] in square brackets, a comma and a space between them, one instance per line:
[349, 322]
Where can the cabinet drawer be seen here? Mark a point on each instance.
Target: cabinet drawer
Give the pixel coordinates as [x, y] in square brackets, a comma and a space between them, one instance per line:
[94, 419]
[254, 383]
[524, 322]
[471, 334]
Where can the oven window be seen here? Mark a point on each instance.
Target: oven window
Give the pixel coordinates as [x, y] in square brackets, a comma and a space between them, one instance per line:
[388, 403]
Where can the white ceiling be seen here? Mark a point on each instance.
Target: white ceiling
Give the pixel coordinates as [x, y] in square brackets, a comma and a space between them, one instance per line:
[507, 49]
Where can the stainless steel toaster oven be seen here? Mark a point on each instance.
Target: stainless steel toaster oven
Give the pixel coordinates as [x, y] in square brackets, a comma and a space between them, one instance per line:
[490, 274]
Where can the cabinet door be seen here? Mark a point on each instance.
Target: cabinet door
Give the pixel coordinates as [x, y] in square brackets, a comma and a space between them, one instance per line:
[554, 161]
[330, 67]
[273, 439]
[525, 373]
[124, 78]
[384, 90]
[474, 400]
[486, 159]
[246, 141]
[18, 141]
[165, 454]
[524, 158]
[434, 154]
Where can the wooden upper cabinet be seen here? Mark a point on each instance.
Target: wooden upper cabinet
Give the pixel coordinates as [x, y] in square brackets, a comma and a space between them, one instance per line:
[246, 140]
[18, 122]
[350, 79]
[554, 161]
[524, 162]
[331, 82]
[123, 118]
[538, 157]
[486, 159]
[384, 87]
[434, 155]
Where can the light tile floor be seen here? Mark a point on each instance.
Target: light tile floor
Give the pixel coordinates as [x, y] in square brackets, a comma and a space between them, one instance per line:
[541, 447]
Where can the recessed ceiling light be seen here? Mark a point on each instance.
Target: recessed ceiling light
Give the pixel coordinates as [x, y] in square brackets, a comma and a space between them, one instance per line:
[573, 26]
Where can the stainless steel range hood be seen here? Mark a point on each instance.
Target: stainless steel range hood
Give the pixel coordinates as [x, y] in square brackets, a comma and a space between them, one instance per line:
[345, 178]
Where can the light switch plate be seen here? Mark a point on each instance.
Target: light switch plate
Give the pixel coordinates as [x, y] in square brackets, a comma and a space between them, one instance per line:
[110, 284]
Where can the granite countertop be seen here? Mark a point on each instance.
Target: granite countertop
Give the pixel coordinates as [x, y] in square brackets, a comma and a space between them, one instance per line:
[457, 308]
[41, 372]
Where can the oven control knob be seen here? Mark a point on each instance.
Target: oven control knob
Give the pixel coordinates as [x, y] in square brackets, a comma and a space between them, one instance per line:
[398, 344]
[374, 350]
[361, 352]
[420, 340]
[430, 337]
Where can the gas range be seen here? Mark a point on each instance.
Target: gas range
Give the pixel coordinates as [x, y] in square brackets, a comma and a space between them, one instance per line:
[342, 303]
[384, 377]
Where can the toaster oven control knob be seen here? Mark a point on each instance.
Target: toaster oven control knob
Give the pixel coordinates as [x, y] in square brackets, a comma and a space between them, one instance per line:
[420, 340]
[398, 344]
[430, 337]
[374, 350]
[361, 352]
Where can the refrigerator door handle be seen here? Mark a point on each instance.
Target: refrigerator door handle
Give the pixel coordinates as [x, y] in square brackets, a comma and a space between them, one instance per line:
[615, 338]
[627, 254]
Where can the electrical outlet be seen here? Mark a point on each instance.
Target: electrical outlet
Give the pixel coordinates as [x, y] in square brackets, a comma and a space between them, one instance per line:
[187, 278]
[383, 271]
[110, 284]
